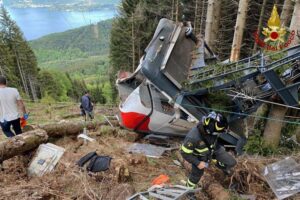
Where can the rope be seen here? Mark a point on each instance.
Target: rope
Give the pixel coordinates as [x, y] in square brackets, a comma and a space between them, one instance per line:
[243, 114]
[244, 96]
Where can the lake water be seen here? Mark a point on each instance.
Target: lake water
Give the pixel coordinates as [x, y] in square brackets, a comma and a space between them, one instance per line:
[37, 22]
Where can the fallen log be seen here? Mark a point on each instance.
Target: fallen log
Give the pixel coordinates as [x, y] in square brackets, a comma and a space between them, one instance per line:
[21, 143]
[69, 128]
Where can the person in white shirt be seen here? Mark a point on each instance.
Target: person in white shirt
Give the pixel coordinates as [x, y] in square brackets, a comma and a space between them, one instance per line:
[10, 101]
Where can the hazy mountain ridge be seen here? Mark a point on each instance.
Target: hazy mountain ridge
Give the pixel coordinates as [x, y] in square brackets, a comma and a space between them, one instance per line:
[91, 39]
[79, 5]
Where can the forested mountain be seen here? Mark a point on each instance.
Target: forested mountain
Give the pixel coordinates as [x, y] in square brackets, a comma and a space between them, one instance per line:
[85, 41]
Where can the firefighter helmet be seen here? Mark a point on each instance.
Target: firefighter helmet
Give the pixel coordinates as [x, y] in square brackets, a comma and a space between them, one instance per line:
[215, 123]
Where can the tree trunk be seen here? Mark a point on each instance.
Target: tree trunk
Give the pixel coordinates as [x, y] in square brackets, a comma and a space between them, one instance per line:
[273, 128]
[209, 22]
[177, 11]
[133, 43]
[298, 134]
[253, 122]
[69, 128]
[33, 89]
[21, 73]
[259, 27]
[286, 13]
[195, 17]
[202, 19]
[239, 30]
[215, 25]
[22, 143]
[295, 23]
[172, 10]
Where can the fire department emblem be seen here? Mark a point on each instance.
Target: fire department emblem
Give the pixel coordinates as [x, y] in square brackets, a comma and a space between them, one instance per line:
[275, 36]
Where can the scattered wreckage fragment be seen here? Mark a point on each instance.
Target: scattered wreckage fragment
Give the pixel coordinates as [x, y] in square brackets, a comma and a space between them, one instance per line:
[168, 92]
[283, 177]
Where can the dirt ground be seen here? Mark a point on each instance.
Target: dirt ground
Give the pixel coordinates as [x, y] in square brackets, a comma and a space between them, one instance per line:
[128, 173]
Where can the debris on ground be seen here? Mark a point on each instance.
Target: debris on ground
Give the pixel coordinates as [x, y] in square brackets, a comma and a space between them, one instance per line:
[283, 177]
[127, 174]
[45, 159]
[148, 150]
[165, 192]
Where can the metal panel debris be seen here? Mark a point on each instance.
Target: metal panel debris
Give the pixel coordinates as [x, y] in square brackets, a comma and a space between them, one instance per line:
[45, 159]
[148, 150]
[283, 177]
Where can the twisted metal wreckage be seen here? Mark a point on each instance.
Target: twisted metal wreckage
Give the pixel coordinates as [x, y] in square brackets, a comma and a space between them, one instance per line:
[170, 89]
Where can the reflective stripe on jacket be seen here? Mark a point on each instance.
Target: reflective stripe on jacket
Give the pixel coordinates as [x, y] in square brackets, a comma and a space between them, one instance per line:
[194, 149]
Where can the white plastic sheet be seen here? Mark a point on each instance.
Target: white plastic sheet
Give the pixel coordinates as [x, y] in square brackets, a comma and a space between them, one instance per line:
[283, 177]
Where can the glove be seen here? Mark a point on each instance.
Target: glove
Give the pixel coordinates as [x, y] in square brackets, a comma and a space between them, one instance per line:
[26, 116]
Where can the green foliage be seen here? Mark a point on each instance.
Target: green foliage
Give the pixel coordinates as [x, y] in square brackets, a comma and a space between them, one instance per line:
[95, 89]
[255, 145]
[219, 100]
[47, 100]
[51, 85]
[49, 55]
[288, 145]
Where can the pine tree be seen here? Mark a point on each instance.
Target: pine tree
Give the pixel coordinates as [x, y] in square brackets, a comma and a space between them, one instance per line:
[24, 61]
[6, 63]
